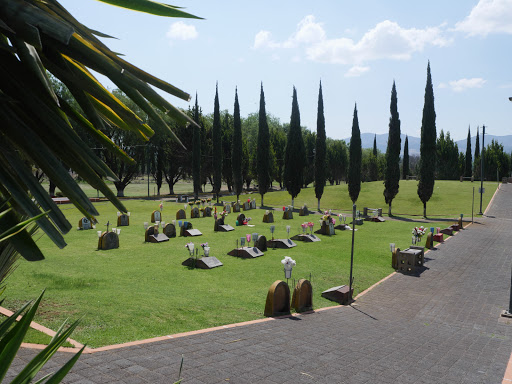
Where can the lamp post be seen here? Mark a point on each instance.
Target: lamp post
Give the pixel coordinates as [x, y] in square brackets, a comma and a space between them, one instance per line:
[482, 170]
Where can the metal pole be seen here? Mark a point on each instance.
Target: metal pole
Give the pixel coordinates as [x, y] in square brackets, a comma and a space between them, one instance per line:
[510, 300]
[482, 170]
[352, 252]
[473, 206]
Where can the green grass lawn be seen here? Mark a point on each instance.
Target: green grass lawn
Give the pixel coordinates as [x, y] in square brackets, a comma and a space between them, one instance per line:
[141, 290]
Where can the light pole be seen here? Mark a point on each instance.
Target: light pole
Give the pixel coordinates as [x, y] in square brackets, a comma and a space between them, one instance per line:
[482, 170]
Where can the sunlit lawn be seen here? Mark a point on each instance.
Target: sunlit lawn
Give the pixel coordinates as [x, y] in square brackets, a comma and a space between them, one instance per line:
[141, 290]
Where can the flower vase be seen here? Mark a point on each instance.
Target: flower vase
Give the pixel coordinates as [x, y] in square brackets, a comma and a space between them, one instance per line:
[206, 251]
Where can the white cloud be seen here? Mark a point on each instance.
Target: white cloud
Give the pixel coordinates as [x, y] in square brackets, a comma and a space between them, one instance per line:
[356, 71]
[181, 31]
[464, 84]
[488, 16]
[387, 40]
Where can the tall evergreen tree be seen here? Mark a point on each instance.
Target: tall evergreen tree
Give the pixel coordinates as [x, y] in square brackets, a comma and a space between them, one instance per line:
[236, 150]
[263, 152]
[476, 159]
[355, 160]
[320, 149]
[428, 145]
[196, 152]
[375, 141]
[468, 167]
[217, 145]
[294, 153]
[405, 165]
[392, 175]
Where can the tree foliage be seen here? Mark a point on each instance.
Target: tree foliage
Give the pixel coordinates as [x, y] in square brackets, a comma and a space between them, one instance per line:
[196, 152]
[355, 155]
[427, 145]
[263, 150]
[217, 153]
[468, 164]
[236, 150]
[405, 165]
[392, 175]
[447, 157]
[320, 148]
[295, 152]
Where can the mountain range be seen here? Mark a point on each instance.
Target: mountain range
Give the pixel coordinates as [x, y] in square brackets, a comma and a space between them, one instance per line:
[414, 142]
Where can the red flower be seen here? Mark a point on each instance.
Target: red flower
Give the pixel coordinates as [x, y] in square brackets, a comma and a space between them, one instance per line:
[284, 208]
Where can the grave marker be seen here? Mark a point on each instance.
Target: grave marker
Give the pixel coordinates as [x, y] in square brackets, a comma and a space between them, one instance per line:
[278, 300]
[156, 216]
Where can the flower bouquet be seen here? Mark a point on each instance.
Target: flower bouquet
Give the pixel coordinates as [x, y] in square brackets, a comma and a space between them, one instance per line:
[417, 234]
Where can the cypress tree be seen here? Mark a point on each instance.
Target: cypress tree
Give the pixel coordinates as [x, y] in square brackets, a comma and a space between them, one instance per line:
[375, 142]
[236, 150]
[196, 153]
[476, 162]
[320, 149]
[427, 146]
[405, 166]
[217, 146]
[294, 153]
[468, 168]
[263, 153]
[392, 175]
[355, 156]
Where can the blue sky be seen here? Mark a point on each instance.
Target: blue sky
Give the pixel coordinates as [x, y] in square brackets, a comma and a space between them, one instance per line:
[356, 48]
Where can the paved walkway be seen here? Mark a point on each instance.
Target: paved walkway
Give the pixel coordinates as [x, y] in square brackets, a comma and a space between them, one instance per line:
[442, 327]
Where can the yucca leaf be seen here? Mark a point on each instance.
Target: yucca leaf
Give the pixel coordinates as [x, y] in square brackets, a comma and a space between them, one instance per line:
[6, 324]
[10, 343]
[13, 231]
[46, 203]
[63, 371]
[152, 7]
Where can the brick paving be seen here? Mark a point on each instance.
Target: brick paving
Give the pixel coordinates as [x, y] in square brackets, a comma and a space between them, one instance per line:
[441, 327]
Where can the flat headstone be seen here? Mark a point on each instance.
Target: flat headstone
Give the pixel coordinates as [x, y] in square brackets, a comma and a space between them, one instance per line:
[158, 238]
[193, 232]
[246, 252]
[226, 228]
[339, 294]
[307, 238]
[378, 219]
[203, 262]
[281, 243]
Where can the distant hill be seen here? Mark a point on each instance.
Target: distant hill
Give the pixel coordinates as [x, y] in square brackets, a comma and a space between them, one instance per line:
[414, 142]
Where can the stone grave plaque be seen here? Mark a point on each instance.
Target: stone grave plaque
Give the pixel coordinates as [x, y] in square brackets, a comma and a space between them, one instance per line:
[246, 252]
[327, 229]
[288, 214]
[181, 215]
[306, 237]
[268, 217]
[194, 213]
[378, 219]
[169, 230]
[343, 227]
[247, 206]
[227, 208]
[261, 243]
[429, 244]
[302, 298]
[447, 231]
[281, 243]
[150, 231]
[207, 212]
[123, 220]
[253, 204]
[153, 236]
[84, 223]
[338, 294]
[191, 232]
[109, 240]
[156, 216]
[236, 207]
[203, 262]
[455, 227]
[278, 300]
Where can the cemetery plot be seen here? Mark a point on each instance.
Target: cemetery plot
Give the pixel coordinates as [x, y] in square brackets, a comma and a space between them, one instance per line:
[108, 240]
[123, 220]
[268, 217]
[281, 243]
[304, 211]
[302, 299]
[246, 252]
[209, 262]
[306, 237]
[153, 236]
[84, 223]
[156, 216]
[339, 294]
[278, 300]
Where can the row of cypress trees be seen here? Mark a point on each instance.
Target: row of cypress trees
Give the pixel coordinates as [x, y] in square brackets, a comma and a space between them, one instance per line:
[294, 157]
